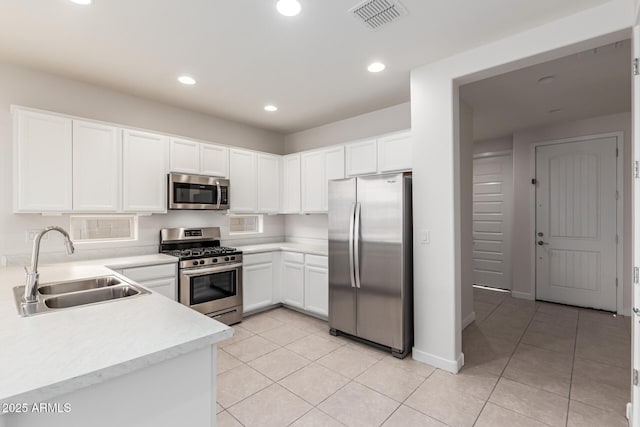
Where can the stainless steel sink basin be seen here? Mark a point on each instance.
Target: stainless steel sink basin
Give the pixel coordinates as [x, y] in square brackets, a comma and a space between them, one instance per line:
[77, 293]
[78, 285]
[98, 295]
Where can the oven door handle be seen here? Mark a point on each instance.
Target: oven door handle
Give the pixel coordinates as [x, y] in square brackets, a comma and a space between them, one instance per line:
[203, 271]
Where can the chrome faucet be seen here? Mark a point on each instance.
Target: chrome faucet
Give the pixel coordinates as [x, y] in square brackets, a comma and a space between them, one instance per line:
[31, 288]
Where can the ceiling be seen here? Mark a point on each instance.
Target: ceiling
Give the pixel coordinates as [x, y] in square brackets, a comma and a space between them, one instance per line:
[589, 84]
[245, 55]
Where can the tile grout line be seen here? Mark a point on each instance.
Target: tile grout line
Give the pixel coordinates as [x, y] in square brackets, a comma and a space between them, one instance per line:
[509, 361]
[573, 365]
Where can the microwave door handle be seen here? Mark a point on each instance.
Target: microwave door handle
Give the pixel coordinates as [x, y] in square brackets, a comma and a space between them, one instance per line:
[356, 246]
[351, 227]
[219, 194]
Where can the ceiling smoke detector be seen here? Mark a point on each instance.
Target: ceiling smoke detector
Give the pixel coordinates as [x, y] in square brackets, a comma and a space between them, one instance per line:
[377, 13]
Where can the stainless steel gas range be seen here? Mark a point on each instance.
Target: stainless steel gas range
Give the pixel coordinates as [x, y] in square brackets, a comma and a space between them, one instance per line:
[210, 275]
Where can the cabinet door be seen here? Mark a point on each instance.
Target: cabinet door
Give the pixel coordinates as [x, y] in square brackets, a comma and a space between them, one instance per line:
[293, 284]
[361, 157]
[268, 183]
[166, 287]
[184, 155]
[43, 162]
[214, 160]
[395, 152]
[291, 184]
[316, 290]
[243, 181]
[334, 169]
[97, 167]
[145, 167]
[314, 185]
[257, 286]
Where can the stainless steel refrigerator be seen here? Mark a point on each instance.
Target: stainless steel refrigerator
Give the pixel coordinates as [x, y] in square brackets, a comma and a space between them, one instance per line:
[370, 260]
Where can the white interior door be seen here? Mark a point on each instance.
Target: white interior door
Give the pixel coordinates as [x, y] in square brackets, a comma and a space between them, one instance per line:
[576, 223]
[635, 325]
[492, 212]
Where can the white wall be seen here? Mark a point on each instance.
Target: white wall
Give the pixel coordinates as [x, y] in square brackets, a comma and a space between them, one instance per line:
[522, 242]
[307, 227]
[435, 124]
[378, 122]
[493, 145]
[48, 92]
[466, 212]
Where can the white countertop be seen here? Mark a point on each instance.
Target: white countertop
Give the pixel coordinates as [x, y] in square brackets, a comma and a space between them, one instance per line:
[50, 354]
[312, 249]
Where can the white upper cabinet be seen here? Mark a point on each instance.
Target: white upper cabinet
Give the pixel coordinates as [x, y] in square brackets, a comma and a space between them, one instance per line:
[43, 162]
[97, 167]
[313, 181]
[395, 152]
[214, 160]
[268, 183]
[145, 166]
[184, 155]
[318, 167]
[291, 184]
[243, 179]
[362, 157]
[198, 158]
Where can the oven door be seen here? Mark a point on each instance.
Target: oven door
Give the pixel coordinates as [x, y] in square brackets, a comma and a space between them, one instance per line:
[197, 192]
[210, 289]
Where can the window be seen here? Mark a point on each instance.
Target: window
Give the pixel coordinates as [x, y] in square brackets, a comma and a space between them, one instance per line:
[103, 228]
[245, 224]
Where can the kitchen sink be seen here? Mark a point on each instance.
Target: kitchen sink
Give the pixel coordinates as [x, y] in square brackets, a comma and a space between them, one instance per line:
[83, 298]
[77, 293]
[78, 285]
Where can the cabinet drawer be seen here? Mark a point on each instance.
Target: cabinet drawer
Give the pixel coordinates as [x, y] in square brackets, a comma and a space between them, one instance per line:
[166, 286]
[317, 261]
[293, 257]
[140, 274]
[253, 259]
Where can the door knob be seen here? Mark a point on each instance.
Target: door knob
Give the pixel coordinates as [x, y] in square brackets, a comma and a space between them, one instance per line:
[540, 243]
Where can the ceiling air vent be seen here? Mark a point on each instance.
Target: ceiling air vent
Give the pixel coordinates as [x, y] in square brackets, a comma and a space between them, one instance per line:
[377, 13]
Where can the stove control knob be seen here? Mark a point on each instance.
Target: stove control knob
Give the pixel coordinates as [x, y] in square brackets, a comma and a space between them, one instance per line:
[233, 258]
[215, 260]
[201, 262]
[226, 258]
[195, 263]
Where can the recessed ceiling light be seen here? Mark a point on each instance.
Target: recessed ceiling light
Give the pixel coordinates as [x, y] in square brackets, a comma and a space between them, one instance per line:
[288, 7]
[376, 67]
[546, 80]
[270, 108]
[82, 2]
[187, 80]
[555, 110]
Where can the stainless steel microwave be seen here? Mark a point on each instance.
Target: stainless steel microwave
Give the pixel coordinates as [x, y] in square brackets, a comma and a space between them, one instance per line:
[198, 192]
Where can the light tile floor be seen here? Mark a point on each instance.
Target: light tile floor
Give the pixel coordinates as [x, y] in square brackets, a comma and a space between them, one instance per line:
[526, 363]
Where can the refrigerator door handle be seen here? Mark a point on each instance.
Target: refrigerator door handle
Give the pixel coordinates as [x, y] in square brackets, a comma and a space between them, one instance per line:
[356, 245]
[351, 226]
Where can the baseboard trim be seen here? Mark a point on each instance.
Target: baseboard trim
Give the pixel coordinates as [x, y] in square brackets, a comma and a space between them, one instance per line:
[452, 366]
[522, 295]
[468, 320]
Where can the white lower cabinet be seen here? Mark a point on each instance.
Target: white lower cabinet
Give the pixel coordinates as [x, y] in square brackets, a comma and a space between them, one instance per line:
[316, 285]
[257, 281]
[161, 279]
[293, 284]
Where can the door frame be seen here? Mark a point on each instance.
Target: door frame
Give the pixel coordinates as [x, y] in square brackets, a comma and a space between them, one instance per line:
[488, 155]
[619, 210]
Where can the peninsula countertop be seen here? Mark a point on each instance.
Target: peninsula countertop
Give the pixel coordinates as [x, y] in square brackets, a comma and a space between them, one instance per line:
[50, 354]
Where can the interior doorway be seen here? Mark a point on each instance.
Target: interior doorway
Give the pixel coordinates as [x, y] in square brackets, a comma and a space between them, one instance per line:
[492, 217]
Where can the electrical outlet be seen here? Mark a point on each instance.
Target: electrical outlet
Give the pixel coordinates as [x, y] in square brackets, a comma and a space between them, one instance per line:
[30, 235]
